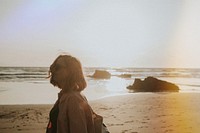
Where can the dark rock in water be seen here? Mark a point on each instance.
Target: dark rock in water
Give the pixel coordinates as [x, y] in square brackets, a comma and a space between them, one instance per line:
[125, 76]
[100, 74]
[151, 84]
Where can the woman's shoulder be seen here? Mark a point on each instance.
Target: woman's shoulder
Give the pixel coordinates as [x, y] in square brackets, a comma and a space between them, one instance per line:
[71, 97]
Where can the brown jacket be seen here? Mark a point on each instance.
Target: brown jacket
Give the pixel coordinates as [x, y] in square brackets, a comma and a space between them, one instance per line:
[75, 115]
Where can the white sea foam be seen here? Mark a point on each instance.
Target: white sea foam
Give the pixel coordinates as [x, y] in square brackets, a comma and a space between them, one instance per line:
[29, 85]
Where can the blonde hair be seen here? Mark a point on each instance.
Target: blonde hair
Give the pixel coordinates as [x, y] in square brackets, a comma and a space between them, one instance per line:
[75, 80]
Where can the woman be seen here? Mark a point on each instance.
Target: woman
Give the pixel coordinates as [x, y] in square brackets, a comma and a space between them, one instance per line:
[71, 112]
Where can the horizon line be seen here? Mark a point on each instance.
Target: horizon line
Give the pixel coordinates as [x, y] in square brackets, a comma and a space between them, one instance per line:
[136, 67]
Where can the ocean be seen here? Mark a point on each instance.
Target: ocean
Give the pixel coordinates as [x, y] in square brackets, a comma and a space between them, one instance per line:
[30, 85]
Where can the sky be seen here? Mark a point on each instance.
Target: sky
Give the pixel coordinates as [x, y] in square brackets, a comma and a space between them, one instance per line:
[101, 33]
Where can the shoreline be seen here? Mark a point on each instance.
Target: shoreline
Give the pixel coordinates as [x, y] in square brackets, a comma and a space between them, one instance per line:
[109, 96]
[131, 113]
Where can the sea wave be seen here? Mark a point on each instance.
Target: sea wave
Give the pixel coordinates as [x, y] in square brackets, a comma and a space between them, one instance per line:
[40, 73]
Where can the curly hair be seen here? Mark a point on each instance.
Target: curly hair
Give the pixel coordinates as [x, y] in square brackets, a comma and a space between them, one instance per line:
[75, 80]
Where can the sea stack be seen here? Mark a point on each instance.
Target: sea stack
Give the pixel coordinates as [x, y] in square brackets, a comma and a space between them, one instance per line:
[101, 74]
[151, 84]
[125, 76]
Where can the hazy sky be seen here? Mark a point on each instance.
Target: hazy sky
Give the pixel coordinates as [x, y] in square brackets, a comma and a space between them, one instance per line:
[114, 33]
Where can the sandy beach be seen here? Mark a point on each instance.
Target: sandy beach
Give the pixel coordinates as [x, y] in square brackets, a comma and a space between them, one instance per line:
[132, 113]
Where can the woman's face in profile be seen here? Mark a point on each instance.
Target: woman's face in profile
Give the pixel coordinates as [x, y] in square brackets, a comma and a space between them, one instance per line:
[60, 74]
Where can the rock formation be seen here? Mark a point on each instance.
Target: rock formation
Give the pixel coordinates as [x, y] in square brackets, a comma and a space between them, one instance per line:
[151, 84]
[100, 74]
[125, 76]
